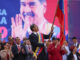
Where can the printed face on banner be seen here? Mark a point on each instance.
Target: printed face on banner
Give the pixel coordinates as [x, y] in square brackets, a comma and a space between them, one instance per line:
[39, 12]
[33, 12]
[33, 8]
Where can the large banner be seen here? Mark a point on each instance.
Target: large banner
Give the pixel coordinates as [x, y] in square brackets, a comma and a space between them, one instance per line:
[16, 16]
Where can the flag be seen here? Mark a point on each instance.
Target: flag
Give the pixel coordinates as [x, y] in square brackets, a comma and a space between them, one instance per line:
[60, 15]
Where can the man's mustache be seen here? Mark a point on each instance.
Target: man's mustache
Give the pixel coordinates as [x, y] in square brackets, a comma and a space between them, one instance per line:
[29, 14]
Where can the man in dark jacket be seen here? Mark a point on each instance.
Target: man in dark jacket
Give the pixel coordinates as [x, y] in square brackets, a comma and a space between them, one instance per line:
[37, 41]
[16, 50]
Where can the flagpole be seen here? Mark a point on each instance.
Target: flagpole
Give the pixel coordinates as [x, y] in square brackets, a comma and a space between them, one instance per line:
[54, 20]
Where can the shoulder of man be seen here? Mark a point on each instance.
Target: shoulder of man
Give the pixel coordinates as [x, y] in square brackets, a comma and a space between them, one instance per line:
[32, 35]
[78, 45]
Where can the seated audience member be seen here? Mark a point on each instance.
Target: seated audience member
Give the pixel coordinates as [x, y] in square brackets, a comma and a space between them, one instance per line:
[6, 54]
[72, 55]
[55, 51]
[67, 50]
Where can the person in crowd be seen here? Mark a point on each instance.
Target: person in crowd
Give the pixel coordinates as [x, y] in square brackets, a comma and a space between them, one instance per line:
[26, 50]
[78, 53]
[65, 45]
[24, 40]
[1, 45]
[0, 57]
[75, 42]
[55, 51]
[16, 49]
[29, 50]
[11, 40]
[6, 54]
[72, 55]
[3, 41]
[23, 52]
[0, 36]
[37, 42]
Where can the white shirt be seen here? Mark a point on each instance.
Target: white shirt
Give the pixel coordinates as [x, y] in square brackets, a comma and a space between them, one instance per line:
[75, 57]
[29, 46]
[68, 52]
[76, 44]
[35, 33]
[18, 45]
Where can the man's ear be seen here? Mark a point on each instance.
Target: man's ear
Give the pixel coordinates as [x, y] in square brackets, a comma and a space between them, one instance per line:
[44, 7]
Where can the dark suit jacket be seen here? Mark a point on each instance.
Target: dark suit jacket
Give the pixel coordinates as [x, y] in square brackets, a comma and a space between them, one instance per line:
[0, 57]
[76, 45]
[18, 56]
[29, 55]
[78, 55]
[34, 41]
[70, 56]
[23, 55]
[15, 52]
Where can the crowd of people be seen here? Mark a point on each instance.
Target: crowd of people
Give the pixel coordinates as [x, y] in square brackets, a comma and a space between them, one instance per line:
[36, 48]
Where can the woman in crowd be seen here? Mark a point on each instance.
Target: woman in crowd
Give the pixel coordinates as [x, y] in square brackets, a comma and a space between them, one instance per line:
[55, 51]
[6, 54]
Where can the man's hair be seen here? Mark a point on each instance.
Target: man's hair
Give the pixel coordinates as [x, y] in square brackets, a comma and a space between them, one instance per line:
[53, 38]
[17, 38]
[74, 38]
[31, 27]
[25, 38]
[42, 1]
[58, 39]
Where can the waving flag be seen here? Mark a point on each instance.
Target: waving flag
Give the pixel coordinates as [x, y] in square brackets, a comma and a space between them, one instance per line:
[60, 16]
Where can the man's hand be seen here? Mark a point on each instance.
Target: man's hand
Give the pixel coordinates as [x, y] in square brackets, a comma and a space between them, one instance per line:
[17, 28]
[48, 43]
[56, 44]
[52, 29]
[23, 51]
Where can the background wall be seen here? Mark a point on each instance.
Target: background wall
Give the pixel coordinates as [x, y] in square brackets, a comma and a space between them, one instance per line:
[74, 19]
